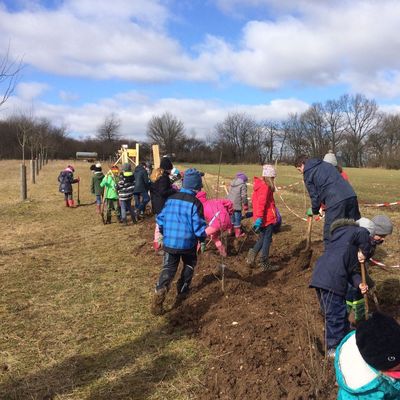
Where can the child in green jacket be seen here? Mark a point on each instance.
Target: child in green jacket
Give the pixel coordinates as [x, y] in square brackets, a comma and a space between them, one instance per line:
[95, 187]
[109, 183]
[367, 361]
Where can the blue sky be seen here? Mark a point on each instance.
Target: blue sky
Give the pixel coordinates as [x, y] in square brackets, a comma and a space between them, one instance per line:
[199, 60]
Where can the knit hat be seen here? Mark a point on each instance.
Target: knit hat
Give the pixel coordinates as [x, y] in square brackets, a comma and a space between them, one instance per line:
[98, 165]
[242, 176]
[367, 224]
[378, 340]
[71, 168]
[115, 169]
[175, 171]
[192, 179]
[166, 164]
[126, 167]
[330, 158]
[383, 225]
[268, 171]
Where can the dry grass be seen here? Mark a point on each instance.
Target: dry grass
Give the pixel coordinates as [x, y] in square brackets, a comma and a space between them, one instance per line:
[74, 303]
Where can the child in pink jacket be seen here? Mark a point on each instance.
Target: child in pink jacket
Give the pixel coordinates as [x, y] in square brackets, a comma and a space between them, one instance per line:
[217, 213]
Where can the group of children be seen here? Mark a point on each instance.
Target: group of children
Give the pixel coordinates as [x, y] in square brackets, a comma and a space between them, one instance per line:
[367, 362]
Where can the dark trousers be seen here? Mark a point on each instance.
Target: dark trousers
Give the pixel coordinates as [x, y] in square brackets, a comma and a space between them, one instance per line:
[264, 242]
[141, 200]
[170, 266]
[345, 209]
[336, 323]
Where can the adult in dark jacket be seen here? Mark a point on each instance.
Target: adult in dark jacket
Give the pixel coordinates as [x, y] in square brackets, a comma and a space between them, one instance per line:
[142, 185]
[335, 270]
[325, 185]
[66, 180]
[161, 188]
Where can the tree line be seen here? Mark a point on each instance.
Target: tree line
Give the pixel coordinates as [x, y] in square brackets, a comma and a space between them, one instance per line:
[352, 126]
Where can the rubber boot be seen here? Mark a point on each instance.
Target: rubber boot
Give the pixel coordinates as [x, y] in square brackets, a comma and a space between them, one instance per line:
[98, 208]
[158, 301]
[251, 258]
[267, 267]
[71, 203]
[239, 233]
[66, 203]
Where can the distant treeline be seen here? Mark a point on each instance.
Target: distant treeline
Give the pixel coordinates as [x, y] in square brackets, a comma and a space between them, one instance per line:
[352, 126]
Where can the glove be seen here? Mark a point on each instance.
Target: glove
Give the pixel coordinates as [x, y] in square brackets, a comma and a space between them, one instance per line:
[257, 225]
[160, 240]
[309, 212]
[202, 247]
[246, 208]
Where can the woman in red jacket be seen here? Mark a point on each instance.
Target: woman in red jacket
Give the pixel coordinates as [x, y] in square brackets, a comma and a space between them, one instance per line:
[264, 216]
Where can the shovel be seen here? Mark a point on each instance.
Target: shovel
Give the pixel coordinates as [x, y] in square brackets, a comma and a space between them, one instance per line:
[364, 281]
[303, 262]
[79, 200]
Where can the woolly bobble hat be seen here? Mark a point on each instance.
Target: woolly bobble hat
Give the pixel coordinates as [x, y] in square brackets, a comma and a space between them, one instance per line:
[71, 168]
[268, 171]
[378, 340]
[242, 176]
[115, 169]
[192, 179]
[98, 165]
[367, 224]
[330, 158]
[383, 225]
[166, 164]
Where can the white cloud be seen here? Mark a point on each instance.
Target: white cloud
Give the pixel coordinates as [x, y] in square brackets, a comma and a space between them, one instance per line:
[68, 96]
[135, 110]
[29, 91]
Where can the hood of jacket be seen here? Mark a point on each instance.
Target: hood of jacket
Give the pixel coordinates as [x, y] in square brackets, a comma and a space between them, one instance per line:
[342, 222]
[311, 163]
[258, 183]
[202, 196]
[237, 182]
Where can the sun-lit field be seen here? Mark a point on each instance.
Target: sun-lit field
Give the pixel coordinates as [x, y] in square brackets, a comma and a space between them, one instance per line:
[75, 294]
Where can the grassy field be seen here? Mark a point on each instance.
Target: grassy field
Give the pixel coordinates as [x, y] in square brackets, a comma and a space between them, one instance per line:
[74, 309]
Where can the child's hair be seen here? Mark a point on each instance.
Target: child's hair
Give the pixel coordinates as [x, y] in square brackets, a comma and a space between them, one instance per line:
[300, 160]
[270, 182]
[157, 172]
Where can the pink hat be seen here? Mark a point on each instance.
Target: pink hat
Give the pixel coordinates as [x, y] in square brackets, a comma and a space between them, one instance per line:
[268, 171]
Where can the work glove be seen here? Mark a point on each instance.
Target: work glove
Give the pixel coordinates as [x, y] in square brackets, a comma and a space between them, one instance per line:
[160, 241]
[202, 247]
[309, 212]
[257, 225]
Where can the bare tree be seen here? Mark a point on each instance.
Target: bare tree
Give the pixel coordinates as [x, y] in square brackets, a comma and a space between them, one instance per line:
[25, 126]
[335, 123]
[108, 131]
[9, 71]
[167, 131]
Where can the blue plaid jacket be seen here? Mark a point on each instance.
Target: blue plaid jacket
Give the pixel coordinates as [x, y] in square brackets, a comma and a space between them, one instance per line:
[182, 222]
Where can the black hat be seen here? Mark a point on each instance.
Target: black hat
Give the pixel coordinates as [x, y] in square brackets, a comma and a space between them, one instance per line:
[166, 164]
[378, 340]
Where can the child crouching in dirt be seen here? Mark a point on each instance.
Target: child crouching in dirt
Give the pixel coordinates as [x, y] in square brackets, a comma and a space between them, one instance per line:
[264, 216]
[338, 267]
[238, 196]
[217, 213]
[95, 188]
[109, 183]
[182, 225]
[66, 180]
[367, 362]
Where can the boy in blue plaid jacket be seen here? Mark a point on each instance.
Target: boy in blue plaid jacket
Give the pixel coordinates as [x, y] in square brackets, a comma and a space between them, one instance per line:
[182, 226]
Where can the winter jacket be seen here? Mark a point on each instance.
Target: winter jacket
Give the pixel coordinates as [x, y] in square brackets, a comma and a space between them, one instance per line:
[217, 212]
[125, 185]
[325, 185]
[109, 182]
[238, 194]
[96, 180]
[160, 190]
[359, 381]
[263, 203]
[142, 181]
[182, 222]
[66, 179]
[339, 266]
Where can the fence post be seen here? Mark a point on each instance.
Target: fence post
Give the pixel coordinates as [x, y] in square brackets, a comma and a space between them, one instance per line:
[24, 191]
[33, 171]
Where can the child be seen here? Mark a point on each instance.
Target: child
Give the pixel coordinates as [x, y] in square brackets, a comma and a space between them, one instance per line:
[95, 188]
[160, 190]
[182, 223]
[66, 180]
[141, 190]
[367, 362]
[264, 215]
[109, 182]
[217, 213]
[379, 227]
[176, 178]
[125, 189]
[238, 196]
[338, 267]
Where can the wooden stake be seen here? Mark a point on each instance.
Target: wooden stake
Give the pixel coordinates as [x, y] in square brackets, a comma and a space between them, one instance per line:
[24, 190]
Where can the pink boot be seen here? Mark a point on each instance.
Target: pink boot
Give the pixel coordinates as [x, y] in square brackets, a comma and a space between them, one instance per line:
[238, 232]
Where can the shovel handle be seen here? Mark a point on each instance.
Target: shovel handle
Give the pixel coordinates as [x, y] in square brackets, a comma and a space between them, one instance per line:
[364, 281]
[309, 229]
